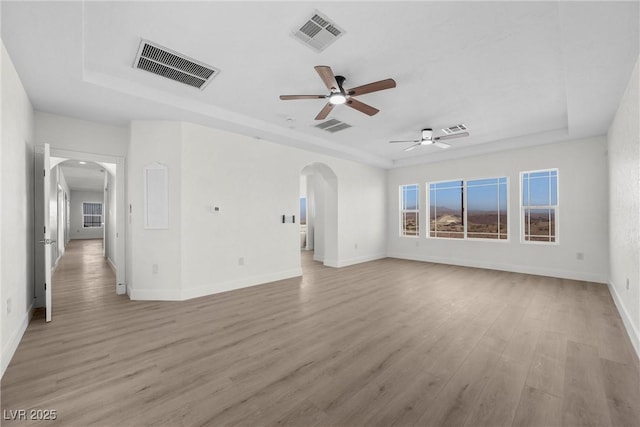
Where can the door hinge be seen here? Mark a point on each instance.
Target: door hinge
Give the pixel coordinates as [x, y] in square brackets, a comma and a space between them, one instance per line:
[44, 172]
[45, 286]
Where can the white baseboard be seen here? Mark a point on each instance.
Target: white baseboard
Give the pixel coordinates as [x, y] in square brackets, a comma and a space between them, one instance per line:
[632, 331]
[112, 265]
[154, 294]
[229, 285]
[12, 345]
[525, 269]
[359, 260]
[210, 289]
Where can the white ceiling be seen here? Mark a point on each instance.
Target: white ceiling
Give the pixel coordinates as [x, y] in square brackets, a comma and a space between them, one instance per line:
[82, 177]
[516, 73]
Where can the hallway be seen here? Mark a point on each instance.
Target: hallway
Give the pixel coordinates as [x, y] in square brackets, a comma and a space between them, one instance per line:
[83, 279]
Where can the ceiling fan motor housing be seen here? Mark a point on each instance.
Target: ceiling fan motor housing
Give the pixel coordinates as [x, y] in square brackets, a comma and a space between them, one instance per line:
[427, 134]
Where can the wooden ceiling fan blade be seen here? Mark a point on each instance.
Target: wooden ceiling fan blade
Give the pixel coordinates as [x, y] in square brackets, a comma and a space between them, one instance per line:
[452, 136]
[372, 87]
[287, 97]
[327, 76]
[362, 107]
[325, 111]
[441, 144]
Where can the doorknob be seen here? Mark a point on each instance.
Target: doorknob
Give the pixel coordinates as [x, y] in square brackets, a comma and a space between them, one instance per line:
[48, 242]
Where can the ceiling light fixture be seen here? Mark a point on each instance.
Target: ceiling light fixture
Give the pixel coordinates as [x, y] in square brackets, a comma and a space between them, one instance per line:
[83, 163]
[337, 98]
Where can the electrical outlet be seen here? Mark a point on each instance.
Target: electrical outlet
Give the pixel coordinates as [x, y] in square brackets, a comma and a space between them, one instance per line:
[627, 283]
[580, 256]
[154, 269]
[8, 305]
[355, 246]
[241, 261]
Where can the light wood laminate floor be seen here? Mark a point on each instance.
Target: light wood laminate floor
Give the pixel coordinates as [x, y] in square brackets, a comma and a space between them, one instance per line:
[385, 343]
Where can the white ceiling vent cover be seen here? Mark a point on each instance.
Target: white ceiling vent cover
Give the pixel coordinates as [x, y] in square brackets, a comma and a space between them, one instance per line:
[455, 129]
[318, 32]
[167, 63]
[333, 126]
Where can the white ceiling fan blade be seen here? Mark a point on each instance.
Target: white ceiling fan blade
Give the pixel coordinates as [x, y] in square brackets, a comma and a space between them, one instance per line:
[452, 136]
[441, 144]
[395, 142]
[413, 146]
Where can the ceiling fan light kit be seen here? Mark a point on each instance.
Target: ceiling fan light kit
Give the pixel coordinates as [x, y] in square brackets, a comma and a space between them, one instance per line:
[339, 96]
[427, 138]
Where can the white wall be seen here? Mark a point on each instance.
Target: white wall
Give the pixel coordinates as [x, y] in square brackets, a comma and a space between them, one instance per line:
[63, 222]
[110, 219]
[80, 135]
[254, 183]
[583, 212]
[624, 207]
[56, 216]
[16, 210]
[77, 230]
[151, 142]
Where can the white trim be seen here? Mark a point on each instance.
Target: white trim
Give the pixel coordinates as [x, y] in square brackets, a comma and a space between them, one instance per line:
[403, 211]
[634, 334]
[209, 289]
[112, 265]
[358, 260]
[154, 294]
[556, 208]
[524, 269]
[333, 263]
[245, 282]
[12, 345]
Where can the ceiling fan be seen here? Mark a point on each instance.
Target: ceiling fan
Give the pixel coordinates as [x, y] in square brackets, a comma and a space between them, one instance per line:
[338, 95]
[429, 139]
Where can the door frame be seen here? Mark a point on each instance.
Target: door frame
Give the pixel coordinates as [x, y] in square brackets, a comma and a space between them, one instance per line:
[120, 179]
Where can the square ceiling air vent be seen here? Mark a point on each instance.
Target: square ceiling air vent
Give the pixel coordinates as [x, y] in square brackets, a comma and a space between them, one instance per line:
[317, 32]
[455, 129]
[333, 126]
[167, 63]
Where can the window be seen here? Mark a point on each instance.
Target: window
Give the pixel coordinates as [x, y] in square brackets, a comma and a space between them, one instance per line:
[409, 210]
[91, 215]
[539, 208]
[446, 209]
[487, 208]
[474, 209]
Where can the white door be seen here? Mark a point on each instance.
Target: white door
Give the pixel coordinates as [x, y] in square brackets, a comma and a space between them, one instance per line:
[43, 231]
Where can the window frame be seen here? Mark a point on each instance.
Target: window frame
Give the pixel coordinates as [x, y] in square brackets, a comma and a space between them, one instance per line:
[465, 195]
[466, 220]
[92, 215]
[556, 208]
[402, 211]
[464, 209]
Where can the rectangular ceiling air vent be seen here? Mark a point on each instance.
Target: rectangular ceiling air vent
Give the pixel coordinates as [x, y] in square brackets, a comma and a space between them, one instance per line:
[317, 32]
[167, 63]
[333, 126]
[455, 129]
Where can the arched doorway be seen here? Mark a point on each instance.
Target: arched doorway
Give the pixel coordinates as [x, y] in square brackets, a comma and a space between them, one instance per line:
[319, 185]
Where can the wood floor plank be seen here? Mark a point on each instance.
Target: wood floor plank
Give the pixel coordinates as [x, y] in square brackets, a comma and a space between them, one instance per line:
[584, 400]
[548, 364]
[622, 388]
[537, 408]
[385, 343]
[499, 400]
